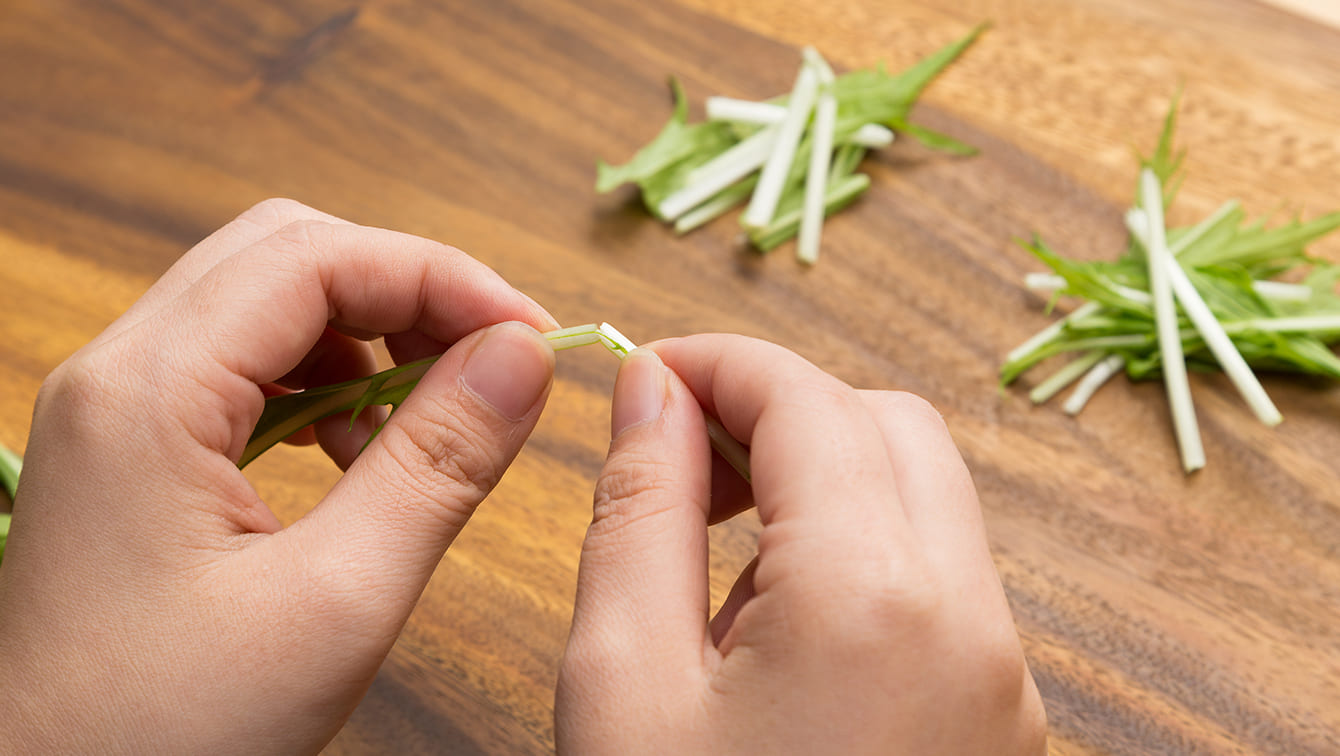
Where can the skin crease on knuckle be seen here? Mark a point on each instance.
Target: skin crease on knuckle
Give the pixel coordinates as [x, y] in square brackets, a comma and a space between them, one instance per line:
[453, 463]
[632, 488]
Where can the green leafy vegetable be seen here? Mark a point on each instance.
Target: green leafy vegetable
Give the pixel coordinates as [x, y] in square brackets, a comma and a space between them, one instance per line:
[1229, 312]
[286, 414]
[10, 467]
[764, 154]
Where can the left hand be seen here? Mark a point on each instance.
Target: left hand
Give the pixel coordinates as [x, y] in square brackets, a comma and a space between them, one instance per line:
[149, 600]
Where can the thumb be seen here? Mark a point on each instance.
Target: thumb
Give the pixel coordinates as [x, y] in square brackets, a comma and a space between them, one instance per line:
[642, 594]
[407, 496]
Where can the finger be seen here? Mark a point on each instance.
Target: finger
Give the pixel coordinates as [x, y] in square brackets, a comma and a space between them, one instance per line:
[740, 594]
[306, 276]
[819, 467]
[731, 493]
[256, 223]
[334, 357]
[642, 594]
[933, 482]
[390, 518]
[343, 437]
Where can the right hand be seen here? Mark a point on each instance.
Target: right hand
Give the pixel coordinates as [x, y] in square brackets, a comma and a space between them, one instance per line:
[872, 619]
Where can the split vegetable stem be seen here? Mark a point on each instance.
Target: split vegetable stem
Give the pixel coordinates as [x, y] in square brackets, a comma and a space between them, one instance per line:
[720, 172]
[871, 135]
[816, 180]
[772, 180]
[286, 414]
[1230, 359]
[1165, 319]
[1092, 381]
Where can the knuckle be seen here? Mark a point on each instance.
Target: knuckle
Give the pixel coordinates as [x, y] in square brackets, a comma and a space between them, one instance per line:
[632, 488]
[892, 597]
[452, 462]
[85, 382]
[910, 408]
[820, 390]
[275, 211]
[301, 237]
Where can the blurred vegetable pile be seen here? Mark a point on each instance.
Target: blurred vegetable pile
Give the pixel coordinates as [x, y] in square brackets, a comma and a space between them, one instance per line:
[1225, 293]
[793, 158]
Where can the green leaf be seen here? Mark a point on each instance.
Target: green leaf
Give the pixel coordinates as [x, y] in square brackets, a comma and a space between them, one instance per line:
[933, 139]
[664, 158]
[11, 465]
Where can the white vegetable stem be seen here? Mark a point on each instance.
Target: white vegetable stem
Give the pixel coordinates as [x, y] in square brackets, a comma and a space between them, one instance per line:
[722, 441]
[1067, 375]
[1165, 318]
[871, 135]
[1092, 381]
[1230, 359]
[763, 204]
[744, 111]
[1278, 291]
[720, 172]
[1298, 324]
[1052, 331]
[821, 152]
[1282, 292]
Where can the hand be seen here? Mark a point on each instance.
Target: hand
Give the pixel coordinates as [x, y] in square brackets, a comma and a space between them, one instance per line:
[872, 619]
[149, 600]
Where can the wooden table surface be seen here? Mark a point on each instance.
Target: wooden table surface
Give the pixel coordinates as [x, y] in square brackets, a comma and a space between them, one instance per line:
[1160, 613]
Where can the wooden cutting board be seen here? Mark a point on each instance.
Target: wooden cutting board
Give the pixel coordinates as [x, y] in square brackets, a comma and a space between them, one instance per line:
[1161, 613]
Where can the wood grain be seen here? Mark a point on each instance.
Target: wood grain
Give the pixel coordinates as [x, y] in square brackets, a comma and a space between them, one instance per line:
[1160, 613]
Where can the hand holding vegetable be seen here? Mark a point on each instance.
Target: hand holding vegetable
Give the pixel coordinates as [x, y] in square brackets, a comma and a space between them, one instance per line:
[872, 619]
[149, 600]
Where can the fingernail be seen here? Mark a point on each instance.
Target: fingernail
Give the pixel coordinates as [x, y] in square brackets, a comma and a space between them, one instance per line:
[509, 368]
[639, 391]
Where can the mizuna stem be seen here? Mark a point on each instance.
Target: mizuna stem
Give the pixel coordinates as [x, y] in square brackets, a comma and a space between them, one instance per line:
[1064, 377]
[1230, 359]
[1051, 331]
[718, 173]
[1165, 318]
[1092, 381]
[286, 414]
[821, 152]
[871, 135]
[763, 204]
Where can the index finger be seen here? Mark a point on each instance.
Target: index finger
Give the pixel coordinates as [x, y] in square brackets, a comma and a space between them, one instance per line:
[258, 312]
[255, 224]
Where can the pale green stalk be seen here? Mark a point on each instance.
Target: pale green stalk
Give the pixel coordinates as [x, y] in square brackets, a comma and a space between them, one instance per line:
[1165, 317]
[1093, 380]
[1277, 291]
[1230, 359]
[285, 415]
[1067, 375]
[1280, 291]
[763, 204]
[717, 206]
[720, 172]
[871, 135]
[1299, 324]
[840, 193]
[821, 152]
[1046, 335]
